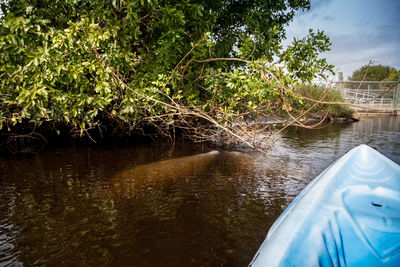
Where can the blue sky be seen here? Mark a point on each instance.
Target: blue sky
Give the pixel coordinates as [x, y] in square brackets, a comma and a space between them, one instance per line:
[360, 31]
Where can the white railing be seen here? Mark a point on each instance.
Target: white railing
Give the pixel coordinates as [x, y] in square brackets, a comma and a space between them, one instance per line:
[370, 94]
[371, 98]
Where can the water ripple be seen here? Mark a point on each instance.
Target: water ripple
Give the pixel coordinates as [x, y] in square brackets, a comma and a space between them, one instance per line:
[85, 206]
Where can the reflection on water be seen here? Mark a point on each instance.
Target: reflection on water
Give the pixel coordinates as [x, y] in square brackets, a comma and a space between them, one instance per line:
[133, 206]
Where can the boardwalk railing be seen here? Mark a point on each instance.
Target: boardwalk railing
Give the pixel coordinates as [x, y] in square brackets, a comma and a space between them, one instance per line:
[382, 95]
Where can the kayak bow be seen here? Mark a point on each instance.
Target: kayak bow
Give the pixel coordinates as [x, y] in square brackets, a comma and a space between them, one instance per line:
[349, 215]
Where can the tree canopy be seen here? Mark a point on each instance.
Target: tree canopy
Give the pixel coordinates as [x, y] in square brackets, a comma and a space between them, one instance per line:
[89, 64]
[375, 73]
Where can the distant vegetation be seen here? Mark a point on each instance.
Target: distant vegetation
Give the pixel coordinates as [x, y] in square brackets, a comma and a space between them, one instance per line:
[325, 94]
[374, 73]
[96, 68]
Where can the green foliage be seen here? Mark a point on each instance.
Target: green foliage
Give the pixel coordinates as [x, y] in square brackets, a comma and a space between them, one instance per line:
[301, 58]
[84, 63]
[375, 73]
[394, 75]
[324, 94]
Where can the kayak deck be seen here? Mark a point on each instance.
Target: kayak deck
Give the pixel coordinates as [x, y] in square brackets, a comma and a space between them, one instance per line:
[349, 215]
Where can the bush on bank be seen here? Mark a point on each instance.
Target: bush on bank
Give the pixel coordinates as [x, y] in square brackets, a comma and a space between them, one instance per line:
[87, 67]
[325, 94]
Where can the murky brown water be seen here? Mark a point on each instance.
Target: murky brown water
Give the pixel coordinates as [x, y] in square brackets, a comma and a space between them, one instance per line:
[121, 206]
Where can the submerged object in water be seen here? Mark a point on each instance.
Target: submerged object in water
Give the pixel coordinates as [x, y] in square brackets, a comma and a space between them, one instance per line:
[349, 215]
[169, 169]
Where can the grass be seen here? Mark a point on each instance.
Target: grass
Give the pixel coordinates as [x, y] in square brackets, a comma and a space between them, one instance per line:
[317, 93]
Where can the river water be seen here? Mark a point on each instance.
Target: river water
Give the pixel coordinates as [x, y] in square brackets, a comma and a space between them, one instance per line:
[148, 206]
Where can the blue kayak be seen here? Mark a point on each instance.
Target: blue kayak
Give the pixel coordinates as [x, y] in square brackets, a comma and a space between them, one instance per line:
[349, 215]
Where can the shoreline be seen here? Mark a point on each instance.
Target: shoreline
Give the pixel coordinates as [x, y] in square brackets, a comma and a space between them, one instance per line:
[35, 142]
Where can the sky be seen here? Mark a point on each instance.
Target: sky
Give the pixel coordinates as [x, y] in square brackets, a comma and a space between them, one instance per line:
[359, 30]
